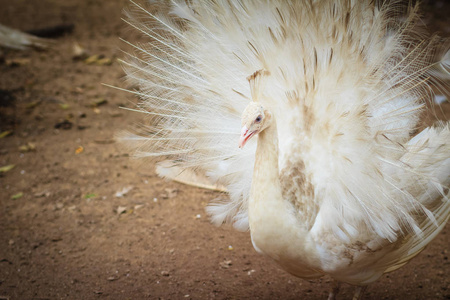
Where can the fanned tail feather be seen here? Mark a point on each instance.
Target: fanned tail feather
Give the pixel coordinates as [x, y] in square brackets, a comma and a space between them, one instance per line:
[363, 83]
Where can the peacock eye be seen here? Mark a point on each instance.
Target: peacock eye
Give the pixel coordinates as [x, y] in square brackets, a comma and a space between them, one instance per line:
[258, 119]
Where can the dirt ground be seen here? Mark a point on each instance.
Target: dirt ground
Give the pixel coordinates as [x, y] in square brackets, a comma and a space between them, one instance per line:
[65, 233]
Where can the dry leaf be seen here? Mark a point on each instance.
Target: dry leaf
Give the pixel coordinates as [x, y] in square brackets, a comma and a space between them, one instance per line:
[99, 60]
[92, 59]
[79, 150]
[98, 102]
[17, 196]
[225, 264]
[171, 193]
[138, 206]
[112, 278]
[121, 209]
[79, 52]
[5, 133]
[42, 194]
[28, 147]
[123, 191]
[6, 168]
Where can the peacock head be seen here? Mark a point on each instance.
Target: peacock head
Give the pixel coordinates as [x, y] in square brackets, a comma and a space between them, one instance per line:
[255, 119]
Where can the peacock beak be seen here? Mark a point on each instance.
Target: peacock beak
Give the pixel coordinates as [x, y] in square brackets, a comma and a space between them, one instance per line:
[245, 136]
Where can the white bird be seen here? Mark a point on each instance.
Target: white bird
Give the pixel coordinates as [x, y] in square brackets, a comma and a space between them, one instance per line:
[339, 181]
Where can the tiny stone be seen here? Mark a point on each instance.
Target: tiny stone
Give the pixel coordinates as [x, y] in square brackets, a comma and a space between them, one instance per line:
[165, 273]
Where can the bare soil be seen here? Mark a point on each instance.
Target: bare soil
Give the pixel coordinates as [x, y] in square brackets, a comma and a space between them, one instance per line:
[65, 234]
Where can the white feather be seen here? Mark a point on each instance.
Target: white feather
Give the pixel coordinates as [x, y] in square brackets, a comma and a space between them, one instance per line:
[348, 82]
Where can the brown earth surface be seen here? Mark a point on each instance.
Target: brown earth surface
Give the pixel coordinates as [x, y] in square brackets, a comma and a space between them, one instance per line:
[64, 234]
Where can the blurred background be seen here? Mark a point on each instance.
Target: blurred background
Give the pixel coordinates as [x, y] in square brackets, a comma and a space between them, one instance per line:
[80, 219]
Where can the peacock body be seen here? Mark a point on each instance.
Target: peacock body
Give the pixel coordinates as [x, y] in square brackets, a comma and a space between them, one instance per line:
[342, 182]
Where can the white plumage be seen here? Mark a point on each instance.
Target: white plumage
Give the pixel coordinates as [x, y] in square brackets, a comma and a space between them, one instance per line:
[342, 184]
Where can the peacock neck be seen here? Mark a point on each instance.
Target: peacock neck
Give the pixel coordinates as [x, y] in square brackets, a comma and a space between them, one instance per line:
[266, 160]
[266, 188]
